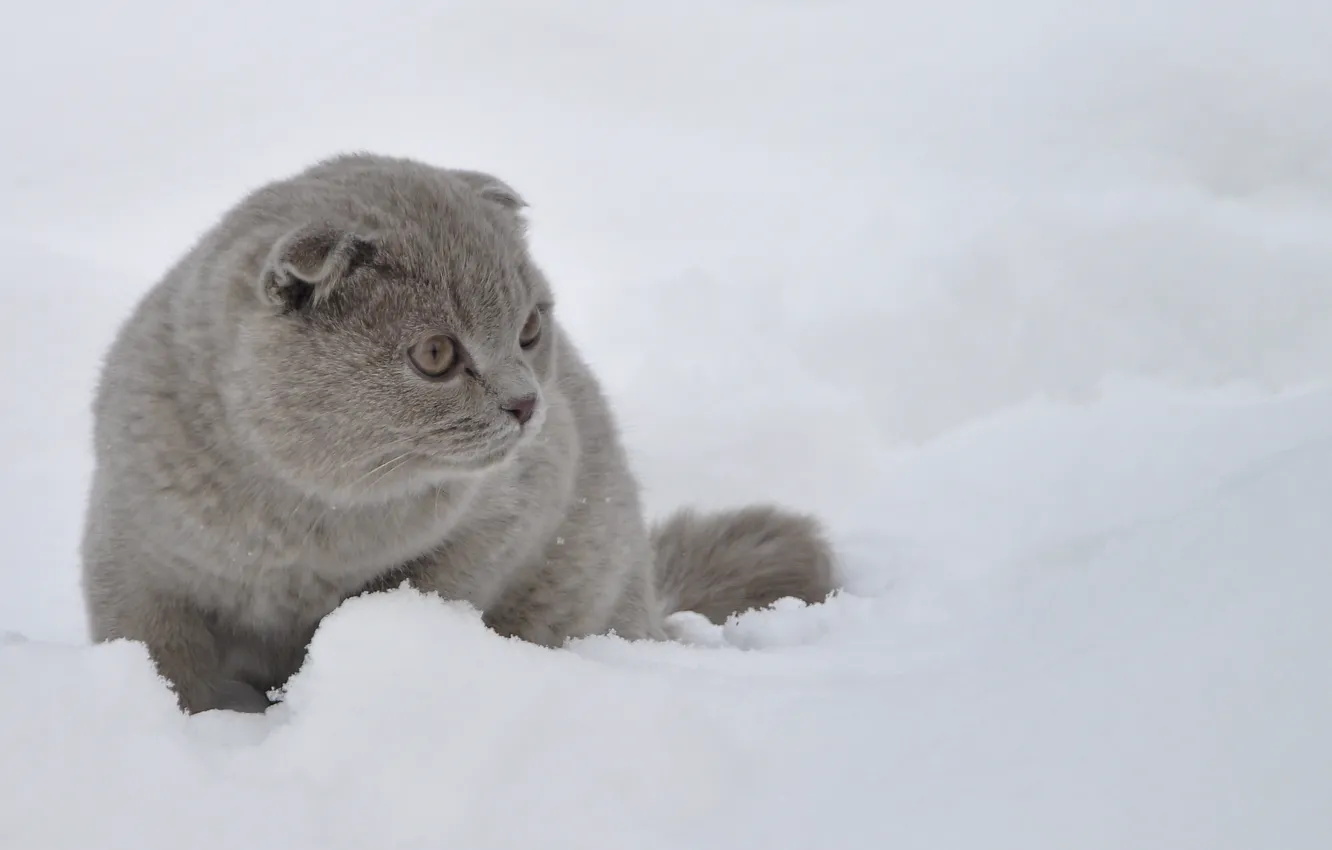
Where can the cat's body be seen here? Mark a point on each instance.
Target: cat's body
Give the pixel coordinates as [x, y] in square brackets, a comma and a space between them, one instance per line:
[356, 379]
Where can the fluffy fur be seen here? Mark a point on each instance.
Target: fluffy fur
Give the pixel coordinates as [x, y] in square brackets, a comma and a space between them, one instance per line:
[265, 447]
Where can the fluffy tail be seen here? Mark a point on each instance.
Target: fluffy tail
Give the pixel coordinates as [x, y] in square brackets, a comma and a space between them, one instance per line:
[723, 563]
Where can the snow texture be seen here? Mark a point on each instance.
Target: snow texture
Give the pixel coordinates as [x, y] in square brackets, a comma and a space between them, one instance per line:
[1032, 300]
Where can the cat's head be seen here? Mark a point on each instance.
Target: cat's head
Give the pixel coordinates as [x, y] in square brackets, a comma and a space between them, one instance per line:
[405, 344]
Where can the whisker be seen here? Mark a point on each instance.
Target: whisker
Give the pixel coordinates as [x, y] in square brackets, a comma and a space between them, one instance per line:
[387, 472]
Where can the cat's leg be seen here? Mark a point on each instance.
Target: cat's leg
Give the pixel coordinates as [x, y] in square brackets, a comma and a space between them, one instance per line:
[254, 664]
[581, 585]
[235, 695]
[183, 647]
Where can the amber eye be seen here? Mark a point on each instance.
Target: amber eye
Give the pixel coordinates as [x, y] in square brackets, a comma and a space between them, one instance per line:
[531, 332]
[434, 356]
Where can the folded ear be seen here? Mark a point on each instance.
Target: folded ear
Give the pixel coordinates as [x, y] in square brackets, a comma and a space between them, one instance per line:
[492, 189]
[308, 263]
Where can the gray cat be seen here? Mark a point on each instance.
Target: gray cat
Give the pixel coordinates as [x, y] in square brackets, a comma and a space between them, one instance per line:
[356, 379]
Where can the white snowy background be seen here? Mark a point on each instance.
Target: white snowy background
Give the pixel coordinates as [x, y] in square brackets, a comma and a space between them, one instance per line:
[1032, 300]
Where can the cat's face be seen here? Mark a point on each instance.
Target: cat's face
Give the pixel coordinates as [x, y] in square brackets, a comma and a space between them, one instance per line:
[386, 363]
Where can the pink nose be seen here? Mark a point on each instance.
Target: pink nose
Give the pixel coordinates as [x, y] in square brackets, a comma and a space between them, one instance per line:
[521, 408]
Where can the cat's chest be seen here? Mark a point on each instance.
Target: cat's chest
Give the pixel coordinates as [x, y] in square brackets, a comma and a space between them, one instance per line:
[355, 545]
[293, 564]
[281, 600]
[274, 574]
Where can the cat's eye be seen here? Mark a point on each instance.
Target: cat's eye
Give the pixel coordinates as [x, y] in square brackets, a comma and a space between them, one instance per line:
[435, 356]
[531, 330]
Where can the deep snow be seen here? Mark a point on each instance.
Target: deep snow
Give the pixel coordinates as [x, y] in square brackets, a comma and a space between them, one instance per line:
[1033, 301]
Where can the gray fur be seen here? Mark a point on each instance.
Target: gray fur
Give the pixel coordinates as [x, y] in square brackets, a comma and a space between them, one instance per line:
[719, 564]
[264, 450]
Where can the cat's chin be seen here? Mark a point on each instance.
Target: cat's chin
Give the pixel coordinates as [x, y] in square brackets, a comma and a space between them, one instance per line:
[495, 453]
[416, 473]
[477, 462]
[424, 469]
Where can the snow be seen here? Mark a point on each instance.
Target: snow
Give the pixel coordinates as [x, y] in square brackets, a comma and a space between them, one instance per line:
[1030, 300]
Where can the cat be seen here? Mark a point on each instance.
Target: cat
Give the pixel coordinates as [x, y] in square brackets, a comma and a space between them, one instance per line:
[355, 379]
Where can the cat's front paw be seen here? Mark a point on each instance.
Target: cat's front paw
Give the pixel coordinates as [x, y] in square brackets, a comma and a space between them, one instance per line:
[235, 695]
